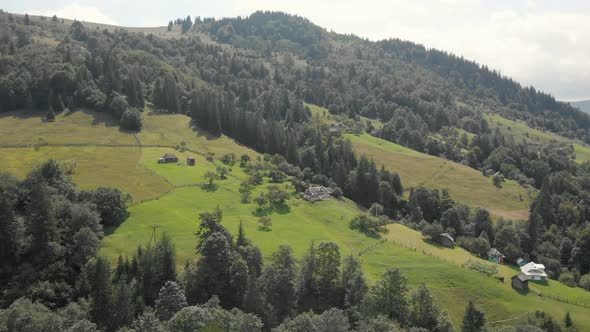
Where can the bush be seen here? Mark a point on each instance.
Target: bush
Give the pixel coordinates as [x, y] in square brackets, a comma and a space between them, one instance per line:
[131, 120]
[585, 282]
[479, 245]
[433, 231]
[567, 279]
[366, 224]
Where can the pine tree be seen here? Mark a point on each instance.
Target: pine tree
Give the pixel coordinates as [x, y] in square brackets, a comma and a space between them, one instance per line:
[170, 300]
[568, 320]
[423, 311]
[353, 281]
[164, 261]
[388, 296]
[123, 308]
[27, 19]
[170, 25]
[101, 297]
[474, 319]
[42, 224]
[7, 235]
[241, 240]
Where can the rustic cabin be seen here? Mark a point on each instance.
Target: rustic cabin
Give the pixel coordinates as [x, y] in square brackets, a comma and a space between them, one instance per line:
[495, 256]
[168, 158]
[318, 193]
[447, 240]
[520, 282]
[191, 161]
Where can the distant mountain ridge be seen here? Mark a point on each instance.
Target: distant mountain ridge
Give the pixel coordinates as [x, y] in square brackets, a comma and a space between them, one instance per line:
[583, 105]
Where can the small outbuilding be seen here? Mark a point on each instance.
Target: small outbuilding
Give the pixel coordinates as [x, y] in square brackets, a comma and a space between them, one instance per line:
[168, 158]
[447, 240]
[495, 256]
[520, 262]
[191, 161]
[318, 193]
[520, 282]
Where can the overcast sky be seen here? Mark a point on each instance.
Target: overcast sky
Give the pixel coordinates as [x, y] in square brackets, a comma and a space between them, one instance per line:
[545, 43]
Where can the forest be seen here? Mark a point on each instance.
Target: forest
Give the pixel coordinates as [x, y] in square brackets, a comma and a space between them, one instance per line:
[256, 93]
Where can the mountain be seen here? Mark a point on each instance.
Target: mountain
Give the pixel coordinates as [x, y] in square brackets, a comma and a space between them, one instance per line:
[583, 105]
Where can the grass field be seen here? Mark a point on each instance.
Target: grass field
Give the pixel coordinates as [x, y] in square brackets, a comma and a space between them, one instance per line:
[520, 131]
[465, 184]
[177, 215]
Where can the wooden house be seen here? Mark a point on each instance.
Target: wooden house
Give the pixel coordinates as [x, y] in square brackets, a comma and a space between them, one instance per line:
[520, 282]
[495, 256]
[447, 240]
[191, 161]
[168, 158]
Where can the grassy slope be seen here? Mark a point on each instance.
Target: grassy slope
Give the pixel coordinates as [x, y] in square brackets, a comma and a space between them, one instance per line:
[520, 131]
[465, 184]
[177, 215]
[177, 211]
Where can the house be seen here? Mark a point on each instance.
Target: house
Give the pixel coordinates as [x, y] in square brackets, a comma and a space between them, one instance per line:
[191, 161]
[494, 255]
[337, 127]
[168, 158]
[520, 262]
[520, 282]
[447, 240]
[318, 193]
[534, 271]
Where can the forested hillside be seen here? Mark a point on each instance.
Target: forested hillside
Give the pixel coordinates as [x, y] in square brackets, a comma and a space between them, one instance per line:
[583, 105]
[252, 79]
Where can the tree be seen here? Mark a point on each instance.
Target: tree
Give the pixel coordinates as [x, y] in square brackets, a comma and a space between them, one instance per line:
[186, 24]
[101, 297]
[123, 311]
[265, 223]
[50, 116]
[388, 296]
[42, 221]
[148, 322]
[170, 300]
[327, 274]
[222, 171]
[164, 261]
[241, 240]
[568, 320]
[376, 209]
[27, 19]
[260, 201]
[111, 204]
[433, 231]
[277, 283]
[131, 120]
[210, 176]
[582, 258]
[474, 319]
[170, 25]
[423, 311]
[353, 281]
[8, 232]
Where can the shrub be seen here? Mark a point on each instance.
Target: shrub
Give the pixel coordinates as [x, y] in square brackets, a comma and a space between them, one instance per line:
[567, 279]
[131, 120]
[366, 224]
[433, 231]
[585, 282]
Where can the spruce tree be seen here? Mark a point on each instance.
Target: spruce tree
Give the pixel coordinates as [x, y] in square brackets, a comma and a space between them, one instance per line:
[123, 307]
[41, 220]
[170, 300]
[474, 319]
[101, 298]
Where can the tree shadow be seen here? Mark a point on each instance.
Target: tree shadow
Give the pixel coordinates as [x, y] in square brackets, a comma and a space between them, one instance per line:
[210, 187]
[202, 132]
[281, 208]
[264, 229]
[261, 212]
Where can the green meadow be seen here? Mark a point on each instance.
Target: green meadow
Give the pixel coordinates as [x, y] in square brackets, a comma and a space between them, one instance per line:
[169, 197]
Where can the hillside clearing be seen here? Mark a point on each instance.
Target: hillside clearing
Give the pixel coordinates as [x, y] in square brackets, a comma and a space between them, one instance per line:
[465, 184]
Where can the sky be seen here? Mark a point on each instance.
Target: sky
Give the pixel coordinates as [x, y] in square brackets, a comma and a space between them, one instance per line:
[545, 43]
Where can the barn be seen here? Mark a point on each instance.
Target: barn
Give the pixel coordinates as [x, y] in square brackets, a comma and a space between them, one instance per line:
[168, 158]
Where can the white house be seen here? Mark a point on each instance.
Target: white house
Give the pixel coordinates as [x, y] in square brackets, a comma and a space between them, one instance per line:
[534, 271]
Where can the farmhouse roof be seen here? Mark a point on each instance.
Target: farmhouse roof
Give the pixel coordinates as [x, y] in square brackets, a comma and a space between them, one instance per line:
[521, 277]
[169, 156]
[534, 269]
[495, 253]
[448, 236]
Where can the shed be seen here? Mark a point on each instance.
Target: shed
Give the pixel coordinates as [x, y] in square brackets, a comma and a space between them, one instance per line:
[520, 282]
[191, 161]
[168, 158]
[494, 255]
[520, 262]
[447, 240]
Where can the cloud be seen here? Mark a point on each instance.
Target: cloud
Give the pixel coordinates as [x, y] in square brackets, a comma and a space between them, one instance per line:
[78, 12]
[549, 49]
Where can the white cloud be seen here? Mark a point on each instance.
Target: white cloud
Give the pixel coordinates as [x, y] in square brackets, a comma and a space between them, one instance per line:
[78, 12]
[549, 49]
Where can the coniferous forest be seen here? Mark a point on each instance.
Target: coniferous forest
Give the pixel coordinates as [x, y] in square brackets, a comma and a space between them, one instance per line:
[251, 79]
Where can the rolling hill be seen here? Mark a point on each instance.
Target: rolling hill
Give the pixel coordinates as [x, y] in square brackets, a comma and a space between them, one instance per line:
[173, 204]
